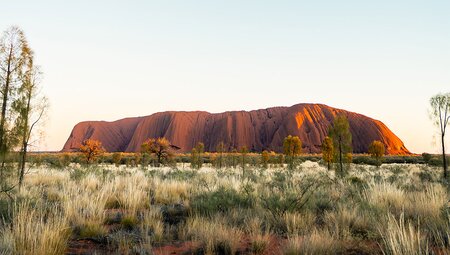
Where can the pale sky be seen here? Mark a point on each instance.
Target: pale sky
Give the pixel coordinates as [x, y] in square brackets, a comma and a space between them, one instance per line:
[106, 60]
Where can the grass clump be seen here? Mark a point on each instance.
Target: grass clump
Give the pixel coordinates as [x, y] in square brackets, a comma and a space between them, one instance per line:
[129, 222]
[401, 237]
[91, 231]
[215, 236]
[318, 242]
[35, 231]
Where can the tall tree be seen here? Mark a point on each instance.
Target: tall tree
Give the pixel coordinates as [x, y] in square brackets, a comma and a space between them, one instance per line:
[91, 149]
[376, 151]
[328, 151]
[265, 158]
[292, 147]
[244, 152]
[31, 107]
[342, 140]
[220, 149]
[15, 59]
[197, 156]
[160, 147]
[440, 114]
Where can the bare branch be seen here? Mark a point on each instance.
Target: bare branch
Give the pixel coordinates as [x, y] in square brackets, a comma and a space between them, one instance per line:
[34, 123]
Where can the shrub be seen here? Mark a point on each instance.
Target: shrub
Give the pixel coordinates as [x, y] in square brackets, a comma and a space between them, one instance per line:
[260, 243]
[112, 203]
[215, 236]
[91, 231]
[221, 200]
[426, 157]
[117, 158]
[129, 222]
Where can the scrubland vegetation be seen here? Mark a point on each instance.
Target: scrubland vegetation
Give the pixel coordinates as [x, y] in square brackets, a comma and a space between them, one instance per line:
[231, 201]
[306, 209]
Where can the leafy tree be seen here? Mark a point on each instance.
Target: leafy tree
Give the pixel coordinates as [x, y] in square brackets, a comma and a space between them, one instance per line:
[145, 160]
[292, 147]
[376, 151]
[197, 156]
[328, 151]
[440, 114]
[91, 149]
[280, 160]
[265, 158]
[117, 158]
[160, 147]
[342, 140]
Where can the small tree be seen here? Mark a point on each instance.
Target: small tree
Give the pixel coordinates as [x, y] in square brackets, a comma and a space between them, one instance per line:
[91, 149]
[244, 152]
[197, 156]
[328, 151]
[292, 147]
[220, 150]
[145, 160]
[426, 157]
[117, 158]
[280, 160]
[440, 114]
[233, 158]
[265, 158]
[342, 140]
[160, 147]
[376, 151]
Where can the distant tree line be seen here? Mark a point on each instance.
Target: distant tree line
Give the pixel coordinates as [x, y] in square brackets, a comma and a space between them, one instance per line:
[336, 148]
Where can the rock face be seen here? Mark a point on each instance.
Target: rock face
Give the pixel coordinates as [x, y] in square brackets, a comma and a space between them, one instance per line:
[259, 130]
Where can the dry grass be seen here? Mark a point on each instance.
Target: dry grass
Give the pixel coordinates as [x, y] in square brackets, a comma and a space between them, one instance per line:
[348, 223]
[386, 196]
[298, 224]
[152, 226]
[36, 232]
[318, 242]
[170, 192]
[88, 203]
[214, 234]
[428, 204]
[402, 237]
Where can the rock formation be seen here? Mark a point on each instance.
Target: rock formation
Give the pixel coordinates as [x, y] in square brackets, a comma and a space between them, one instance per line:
[259, 130]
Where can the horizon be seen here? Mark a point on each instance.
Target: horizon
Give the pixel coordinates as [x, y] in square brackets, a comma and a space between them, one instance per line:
[383, 60]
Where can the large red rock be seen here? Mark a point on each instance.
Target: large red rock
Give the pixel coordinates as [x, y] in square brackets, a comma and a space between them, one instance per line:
[258, 130]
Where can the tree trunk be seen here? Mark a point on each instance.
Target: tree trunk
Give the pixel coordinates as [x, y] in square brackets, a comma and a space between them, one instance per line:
[340, 157]
[3, 116]
[22, 165]
[444, 158]
[25, 138]
[5, 101]
[158, 163]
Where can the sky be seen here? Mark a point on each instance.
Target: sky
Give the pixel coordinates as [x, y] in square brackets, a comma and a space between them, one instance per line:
[107, 60]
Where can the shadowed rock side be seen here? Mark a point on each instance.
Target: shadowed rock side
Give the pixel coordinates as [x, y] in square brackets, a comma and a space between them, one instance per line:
[258, 130]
